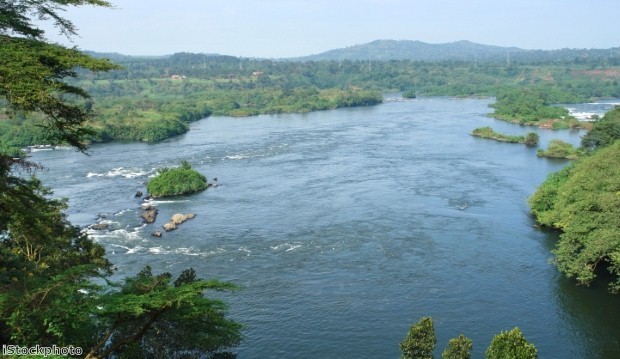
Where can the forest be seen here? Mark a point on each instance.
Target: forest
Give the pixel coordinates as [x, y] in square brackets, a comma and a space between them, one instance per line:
[150, 99]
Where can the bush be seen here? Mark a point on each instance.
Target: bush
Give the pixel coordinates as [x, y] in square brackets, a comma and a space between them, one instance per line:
[531, 139]
[176, 181]
[604, 132]
[511, 345]
[559, 149]
[420, 341]
[458, 348]
[583, 201]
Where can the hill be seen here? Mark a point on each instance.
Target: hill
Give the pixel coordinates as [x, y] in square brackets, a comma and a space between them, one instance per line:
[385, 50]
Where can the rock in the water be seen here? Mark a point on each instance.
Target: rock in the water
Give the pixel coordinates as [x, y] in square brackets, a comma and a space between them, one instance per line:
[138, 194]
[99, 226]
[170, 226]
[149, 213]
[156, 234]
[180, 218]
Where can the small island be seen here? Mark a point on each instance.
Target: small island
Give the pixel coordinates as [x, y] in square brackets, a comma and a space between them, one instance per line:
[530, 139]
[176, 181]
[560, 149]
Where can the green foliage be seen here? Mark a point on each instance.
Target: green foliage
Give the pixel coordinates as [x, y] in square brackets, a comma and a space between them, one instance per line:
[420, 340]
[559, 149]
[409, 94]
[458, 348]
[604, 132]
[33, 80]
[511, 345]
[530, 139]
[420, 343]
[150, 316]
[527, 106]
[176, 181]
[583, 201]
[488, 132]
[48, 266]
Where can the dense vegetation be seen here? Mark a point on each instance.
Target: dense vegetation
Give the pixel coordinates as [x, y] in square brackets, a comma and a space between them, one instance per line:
[531, 107]
[530, 139]
[150, 99]
[176, 181]
[560, 149]
[421, 339]
[605, 131]
[583, 202]
[55, 282]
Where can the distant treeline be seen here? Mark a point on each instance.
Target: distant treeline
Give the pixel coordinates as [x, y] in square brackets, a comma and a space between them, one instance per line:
[150, 99]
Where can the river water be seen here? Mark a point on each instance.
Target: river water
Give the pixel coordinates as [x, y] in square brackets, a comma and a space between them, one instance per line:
[344, 227]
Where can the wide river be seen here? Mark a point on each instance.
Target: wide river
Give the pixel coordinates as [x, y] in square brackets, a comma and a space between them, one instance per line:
[344, 227]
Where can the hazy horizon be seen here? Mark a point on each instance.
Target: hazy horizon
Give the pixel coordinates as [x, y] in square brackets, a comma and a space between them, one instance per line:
[283, 29]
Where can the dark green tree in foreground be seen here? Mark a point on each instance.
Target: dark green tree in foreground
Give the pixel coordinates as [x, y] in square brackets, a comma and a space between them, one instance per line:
[54, 286]
[511, 345]
[420, 344]
[420, 340]
[458, 348]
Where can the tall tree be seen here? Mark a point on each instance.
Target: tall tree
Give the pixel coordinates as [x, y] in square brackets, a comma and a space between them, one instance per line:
[420, 340]
[47, 265]
[511, 345]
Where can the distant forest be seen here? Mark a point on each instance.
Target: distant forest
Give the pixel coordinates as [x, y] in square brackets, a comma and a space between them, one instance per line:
[153, 98]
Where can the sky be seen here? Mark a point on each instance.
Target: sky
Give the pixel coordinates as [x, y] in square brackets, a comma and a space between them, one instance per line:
[292, 28]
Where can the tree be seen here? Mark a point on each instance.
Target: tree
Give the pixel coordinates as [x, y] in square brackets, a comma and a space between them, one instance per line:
[458, 348]
[420, 340]
[531, 139]
[583, 201]
[176, 181]
[48, 266]
[604, 132]
[33, 73]
[511, 345]
[152, 317]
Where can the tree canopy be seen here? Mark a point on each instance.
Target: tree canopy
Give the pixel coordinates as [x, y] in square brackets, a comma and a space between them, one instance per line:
[583, 201]
[54, 279]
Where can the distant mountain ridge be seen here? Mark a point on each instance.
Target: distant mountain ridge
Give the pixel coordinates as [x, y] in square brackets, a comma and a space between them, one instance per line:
[459, 51]
[385, 50]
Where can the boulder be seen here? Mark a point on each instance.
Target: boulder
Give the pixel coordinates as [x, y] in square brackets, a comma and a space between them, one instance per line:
[170, 226]
[180, 218]
[149, 213]
[138, 194]
[156, 234]
[99, 226]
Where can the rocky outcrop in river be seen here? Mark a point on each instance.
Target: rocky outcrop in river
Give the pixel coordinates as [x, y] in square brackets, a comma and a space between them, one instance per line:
[176, 220]
[149, 213]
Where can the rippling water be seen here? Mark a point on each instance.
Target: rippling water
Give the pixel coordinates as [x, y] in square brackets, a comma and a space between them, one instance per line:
[344, 227]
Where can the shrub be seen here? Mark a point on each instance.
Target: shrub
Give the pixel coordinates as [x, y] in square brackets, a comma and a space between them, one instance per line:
[458, 348]
[176, 181]
[420, 341]
[511, 345]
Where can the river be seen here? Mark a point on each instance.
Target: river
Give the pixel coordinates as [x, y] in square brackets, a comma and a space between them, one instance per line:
[344, 227]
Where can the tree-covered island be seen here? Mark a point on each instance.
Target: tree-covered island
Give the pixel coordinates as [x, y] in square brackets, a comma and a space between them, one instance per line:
[176, 181]
[529, 139]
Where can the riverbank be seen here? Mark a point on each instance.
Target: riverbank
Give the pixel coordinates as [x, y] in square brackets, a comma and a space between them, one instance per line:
[152, 118]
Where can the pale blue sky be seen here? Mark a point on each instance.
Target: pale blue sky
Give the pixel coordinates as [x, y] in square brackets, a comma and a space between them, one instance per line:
[289, 28]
